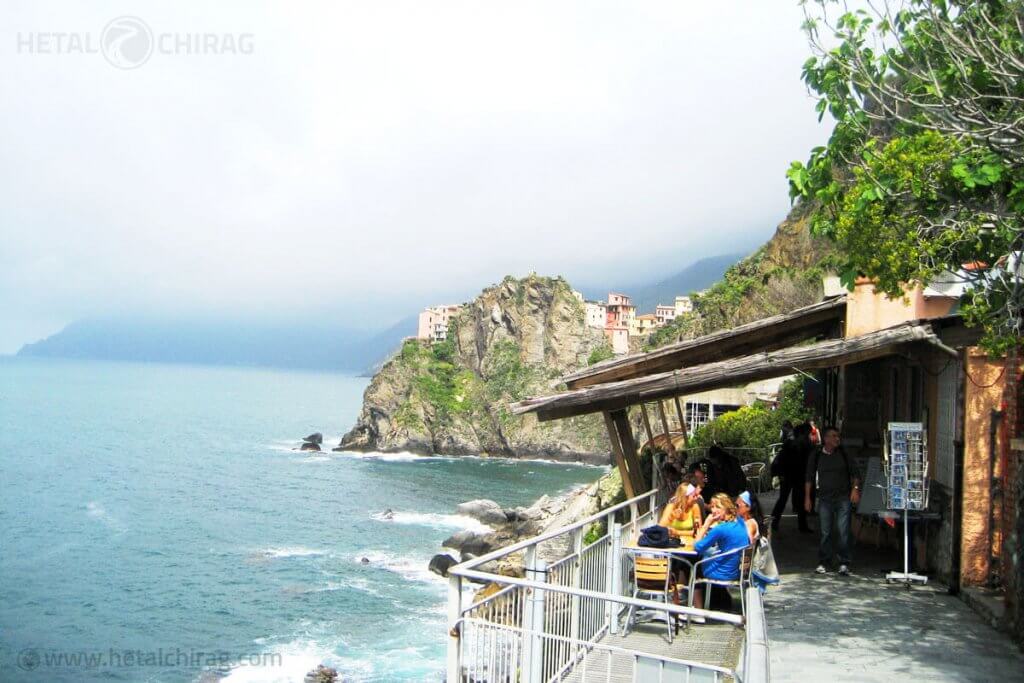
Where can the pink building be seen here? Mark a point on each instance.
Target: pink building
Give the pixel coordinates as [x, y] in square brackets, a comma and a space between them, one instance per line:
[621, 311]
[433, 324]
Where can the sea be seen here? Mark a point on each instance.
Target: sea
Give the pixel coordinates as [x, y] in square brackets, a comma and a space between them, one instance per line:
[157, 524]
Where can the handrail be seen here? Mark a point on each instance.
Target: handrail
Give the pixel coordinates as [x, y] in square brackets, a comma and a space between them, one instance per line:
[603, 646]
[727, 617]
[548, 535]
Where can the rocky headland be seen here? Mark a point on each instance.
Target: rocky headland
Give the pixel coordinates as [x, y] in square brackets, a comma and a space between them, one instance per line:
[452, 397]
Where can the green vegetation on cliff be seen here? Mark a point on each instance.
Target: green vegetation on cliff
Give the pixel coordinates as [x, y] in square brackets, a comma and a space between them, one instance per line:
[784, 274]
[453, 397]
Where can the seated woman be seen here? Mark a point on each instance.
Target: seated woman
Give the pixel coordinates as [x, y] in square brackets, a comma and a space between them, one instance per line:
[748, 509]
[720, 533]
[681, 515]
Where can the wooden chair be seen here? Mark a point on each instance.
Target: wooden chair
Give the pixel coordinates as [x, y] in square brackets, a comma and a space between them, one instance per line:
[652, 580]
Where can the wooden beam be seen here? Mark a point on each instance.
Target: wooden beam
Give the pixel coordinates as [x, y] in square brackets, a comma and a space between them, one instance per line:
[647, 424]
[628, 444]
[617, 456]
[775, 332]
[668, 434]
[736, 371]
[682, 423]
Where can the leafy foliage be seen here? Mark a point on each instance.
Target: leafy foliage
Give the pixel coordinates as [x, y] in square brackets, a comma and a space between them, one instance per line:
[755, 426]
[601, 353]
[924, 171]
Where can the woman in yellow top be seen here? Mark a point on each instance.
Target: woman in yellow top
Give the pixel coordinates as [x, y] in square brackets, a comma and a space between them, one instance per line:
[681, 515]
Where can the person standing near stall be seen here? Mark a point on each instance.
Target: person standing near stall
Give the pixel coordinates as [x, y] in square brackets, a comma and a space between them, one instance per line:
[838, 484]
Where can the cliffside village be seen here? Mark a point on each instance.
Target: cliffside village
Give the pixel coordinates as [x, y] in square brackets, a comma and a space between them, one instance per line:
[617, 317]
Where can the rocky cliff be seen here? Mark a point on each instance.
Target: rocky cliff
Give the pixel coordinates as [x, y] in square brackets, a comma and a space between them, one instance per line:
[784, 274]
[452, 397]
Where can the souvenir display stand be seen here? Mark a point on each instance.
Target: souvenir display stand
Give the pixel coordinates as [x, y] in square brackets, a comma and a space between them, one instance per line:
[906, 470]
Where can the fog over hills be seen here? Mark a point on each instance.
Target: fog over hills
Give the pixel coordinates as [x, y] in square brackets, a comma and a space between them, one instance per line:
[320, 344]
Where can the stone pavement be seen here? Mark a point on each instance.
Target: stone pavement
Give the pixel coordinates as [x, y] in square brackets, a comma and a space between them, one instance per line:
[859, 629]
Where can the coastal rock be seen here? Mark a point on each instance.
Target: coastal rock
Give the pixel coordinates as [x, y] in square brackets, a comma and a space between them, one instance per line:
[469, 542]
[307, 446]
[441, 563]
[321, 674]
[486, 511]
[315, 437]
[512, 341]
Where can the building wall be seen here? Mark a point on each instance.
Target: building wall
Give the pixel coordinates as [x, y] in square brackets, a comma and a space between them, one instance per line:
[596, 314]
[868, 310]
[982, 392]
[618, 337]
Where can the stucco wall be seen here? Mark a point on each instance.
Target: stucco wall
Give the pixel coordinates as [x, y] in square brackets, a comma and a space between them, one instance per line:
[868, 310]
[982, 392]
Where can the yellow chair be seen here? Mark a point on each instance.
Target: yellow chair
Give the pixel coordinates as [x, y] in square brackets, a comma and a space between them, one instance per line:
[652, 580]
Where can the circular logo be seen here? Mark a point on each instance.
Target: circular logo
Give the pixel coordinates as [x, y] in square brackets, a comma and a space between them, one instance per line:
[28, 659]
[127, 42]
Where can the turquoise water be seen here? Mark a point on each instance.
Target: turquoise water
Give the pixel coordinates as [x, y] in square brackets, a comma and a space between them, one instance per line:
[155, 520]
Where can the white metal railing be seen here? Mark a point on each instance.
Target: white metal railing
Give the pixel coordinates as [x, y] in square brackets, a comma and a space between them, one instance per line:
[496, 658]
[543, 626]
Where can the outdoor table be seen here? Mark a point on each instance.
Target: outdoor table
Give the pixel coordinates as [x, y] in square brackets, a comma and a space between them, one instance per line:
[683, 553]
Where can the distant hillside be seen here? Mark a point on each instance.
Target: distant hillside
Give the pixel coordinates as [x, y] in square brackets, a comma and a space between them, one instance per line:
[783, 274]
[646, 296]
[302, 345]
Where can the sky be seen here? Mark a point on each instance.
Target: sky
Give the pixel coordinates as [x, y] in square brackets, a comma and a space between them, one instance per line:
[360, 160]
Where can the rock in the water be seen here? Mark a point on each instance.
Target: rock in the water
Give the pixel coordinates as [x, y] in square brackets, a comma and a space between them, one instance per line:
[315, 437]
[486, 511]
[440, 564]
[321, 674]
[468, 542]
[308, 446]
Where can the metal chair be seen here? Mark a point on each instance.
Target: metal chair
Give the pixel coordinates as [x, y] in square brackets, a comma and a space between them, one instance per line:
[754, 472]
[742, 581]
[653, 580]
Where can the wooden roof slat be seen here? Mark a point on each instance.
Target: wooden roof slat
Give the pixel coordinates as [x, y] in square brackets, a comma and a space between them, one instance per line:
[731, 372]
[775, 332]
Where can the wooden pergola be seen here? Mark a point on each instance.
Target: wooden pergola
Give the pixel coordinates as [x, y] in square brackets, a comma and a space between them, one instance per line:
[642, 386]
[818, 320]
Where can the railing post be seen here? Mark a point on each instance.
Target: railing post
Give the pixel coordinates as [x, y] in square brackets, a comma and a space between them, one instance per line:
[454, 629]
[614, 576]
[533, 619]
[577, 582]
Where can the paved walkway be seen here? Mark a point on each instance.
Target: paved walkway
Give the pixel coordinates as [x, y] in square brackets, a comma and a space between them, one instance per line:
[858, 629]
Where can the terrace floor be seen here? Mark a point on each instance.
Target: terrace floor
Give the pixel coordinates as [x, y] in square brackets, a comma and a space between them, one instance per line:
[715, 644]
[859, 629]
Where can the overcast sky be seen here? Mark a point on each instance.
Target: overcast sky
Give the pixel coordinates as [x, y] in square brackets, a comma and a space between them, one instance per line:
[366, 158]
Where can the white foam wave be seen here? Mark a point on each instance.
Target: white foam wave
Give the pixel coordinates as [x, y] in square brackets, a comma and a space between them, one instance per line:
[95, 509]
[288, 551]
[401, 456]
[316, 458]
[409, 568]
[285, 664]
[432, 519]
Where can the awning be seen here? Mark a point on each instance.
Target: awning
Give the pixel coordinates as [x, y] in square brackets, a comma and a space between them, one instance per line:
[732, 372]
[775, 332]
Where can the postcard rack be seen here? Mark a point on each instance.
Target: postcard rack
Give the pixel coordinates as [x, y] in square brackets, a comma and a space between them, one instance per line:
[906, 473]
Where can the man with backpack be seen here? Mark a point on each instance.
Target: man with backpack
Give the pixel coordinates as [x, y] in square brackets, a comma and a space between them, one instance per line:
[838, 485]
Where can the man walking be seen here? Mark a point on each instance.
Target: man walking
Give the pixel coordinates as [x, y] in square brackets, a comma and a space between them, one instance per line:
[791, 466]
[838, 485]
